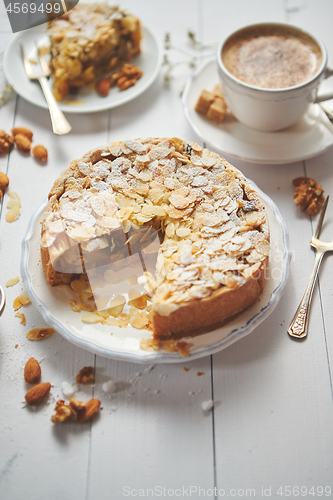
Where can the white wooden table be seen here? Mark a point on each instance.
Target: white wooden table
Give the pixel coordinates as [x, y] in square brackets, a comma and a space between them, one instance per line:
[270, 433]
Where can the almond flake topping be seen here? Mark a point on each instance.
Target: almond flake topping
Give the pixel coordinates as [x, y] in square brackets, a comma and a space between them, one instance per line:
[214, 226]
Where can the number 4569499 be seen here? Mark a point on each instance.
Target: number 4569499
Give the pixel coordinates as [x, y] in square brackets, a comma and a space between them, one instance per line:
[304, 491]
[24, 8]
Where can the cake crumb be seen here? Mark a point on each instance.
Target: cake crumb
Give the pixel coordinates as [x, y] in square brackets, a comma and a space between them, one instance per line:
[109, 386]
[207, 405]
[68, 389]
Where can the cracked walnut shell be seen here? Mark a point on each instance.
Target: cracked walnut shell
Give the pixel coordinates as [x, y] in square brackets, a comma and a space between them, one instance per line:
[86, 375]
[6, 142]
[76, 410]
[308, 195]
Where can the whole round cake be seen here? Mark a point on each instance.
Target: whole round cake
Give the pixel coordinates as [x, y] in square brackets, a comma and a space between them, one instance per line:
[186, 205]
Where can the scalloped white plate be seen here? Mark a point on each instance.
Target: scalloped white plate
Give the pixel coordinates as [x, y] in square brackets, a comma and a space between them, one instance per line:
[123, 344]
[309, 137]
[149, 61]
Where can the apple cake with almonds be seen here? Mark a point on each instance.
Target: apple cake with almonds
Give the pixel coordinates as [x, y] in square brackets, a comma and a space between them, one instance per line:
[211, 224]
[89, 40]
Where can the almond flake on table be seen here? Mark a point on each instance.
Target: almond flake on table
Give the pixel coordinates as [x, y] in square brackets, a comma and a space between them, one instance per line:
[21, 300]
[40, 333]
[22, 317]
[14, 206]
[12, 281]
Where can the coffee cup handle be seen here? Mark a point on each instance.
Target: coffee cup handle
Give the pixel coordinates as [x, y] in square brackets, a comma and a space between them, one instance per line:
[328, 95]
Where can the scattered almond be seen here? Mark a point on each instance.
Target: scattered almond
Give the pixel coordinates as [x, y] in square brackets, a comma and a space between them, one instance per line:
[12, 281]
[103, 87]
[17, 304]
[15, 200]
[23, 143]
[24, 299]
[23, 131]
[40, 333]
[32, 371]
[86, 375]
[21, 300]
[40, 153]
[13, 214]
[4, 181]
[38, 393]
[14, 205]
[21, 315]
[91, 319]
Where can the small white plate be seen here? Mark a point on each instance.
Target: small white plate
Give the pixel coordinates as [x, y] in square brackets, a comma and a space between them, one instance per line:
[124, 343]
[149, 61]
[310, 136]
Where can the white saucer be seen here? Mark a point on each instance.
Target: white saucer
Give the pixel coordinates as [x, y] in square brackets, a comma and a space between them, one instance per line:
[149, 61]
[310, 136]
[124, 343]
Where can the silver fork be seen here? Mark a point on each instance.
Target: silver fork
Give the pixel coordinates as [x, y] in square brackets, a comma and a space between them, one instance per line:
[299, 326]
[59, 123]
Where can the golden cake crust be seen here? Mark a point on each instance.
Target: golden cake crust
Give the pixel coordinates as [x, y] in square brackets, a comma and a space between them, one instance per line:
[212, 261]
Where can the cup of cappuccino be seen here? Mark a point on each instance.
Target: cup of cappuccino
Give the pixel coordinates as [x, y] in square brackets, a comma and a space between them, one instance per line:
[270, 73]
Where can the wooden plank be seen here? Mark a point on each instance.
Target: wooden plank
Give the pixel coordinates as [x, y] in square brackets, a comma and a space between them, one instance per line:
[153, 433]
[273, 427]
[29, 440]
[156, 431]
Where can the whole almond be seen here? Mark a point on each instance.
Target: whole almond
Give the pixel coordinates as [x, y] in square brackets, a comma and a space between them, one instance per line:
[40, 153]
[103, 87]
[22, 130]
[23, 143]
[32, 371]
[4, 181]
[38, 393]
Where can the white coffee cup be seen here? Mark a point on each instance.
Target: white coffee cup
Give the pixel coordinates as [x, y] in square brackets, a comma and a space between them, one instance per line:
[271, 109]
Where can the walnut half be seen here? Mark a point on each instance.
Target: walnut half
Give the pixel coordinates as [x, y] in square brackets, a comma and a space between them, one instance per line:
[308, 195]
[6, 142]
[76, 410]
